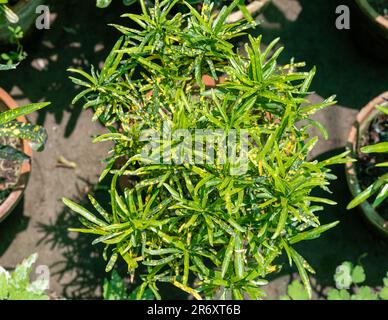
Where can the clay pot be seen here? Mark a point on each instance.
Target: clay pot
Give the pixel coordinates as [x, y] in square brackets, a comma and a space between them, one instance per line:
[364, 118]
[13, 199]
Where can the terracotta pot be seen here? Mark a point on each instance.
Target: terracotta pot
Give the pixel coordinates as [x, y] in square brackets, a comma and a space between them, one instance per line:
[13, 199]
[25, 9]
[370, 30]
[364, 118]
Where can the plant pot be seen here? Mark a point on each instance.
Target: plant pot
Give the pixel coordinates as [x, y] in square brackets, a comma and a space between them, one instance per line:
[16, 194]
[370, 30]
[25, 9]
[363, 120]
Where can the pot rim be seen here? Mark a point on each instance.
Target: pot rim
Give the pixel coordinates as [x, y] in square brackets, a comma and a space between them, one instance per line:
[14, 197]
[372, 14]
[366, 113]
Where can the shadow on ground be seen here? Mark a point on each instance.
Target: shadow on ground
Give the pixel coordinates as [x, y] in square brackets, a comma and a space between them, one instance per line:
[80, 37]
[309, 34]
[11, 226]
[81, 271]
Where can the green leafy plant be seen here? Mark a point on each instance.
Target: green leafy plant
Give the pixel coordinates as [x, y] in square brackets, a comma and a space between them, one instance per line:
[198, 225]
[12, 58]
[11, 127]
[380, 186]
[348, 279]
[16, 285]
[295, 291]
[116, 289]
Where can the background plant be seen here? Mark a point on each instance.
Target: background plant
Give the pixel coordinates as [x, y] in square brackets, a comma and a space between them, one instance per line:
[196, 226]
[380, 186]
[348, 279]
[115, 288]
[15, 36]
[11, 127]
[17, 285]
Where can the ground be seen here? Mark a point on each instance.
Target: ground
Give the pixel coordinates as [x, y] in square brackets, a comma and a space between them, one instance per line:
[79, 36]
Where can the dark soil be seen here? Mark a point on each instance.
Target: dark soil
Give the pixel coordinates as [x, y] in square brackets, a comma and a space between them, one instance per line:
[368, 173]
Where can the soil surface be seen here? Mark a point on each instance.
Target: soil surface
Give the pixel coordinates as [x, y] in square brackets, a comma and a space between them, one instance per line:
[79, 36]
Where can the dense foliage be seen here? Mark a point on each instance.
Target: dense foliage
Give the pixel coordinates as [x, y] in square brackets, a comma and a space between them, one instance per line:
[11, 127]
[204, 227]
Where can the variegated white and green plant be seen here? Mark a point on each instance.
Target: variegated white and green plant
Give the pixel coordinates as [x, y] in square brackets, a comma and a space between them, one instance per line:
[349, 285]
[196, 226]
[16, 285]
[10, 127]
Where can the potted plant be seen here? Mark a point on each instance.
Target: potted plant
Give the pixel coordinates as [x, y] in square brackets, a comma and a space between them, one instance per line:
[367, 178]
[193, 214]
[349, 285]
[371, 27]
[17, 138]
[246, 8]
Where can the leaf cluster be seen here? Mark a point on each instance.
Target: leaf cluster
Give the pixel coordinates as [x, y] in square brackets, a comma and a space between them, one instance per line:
[196, 225]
